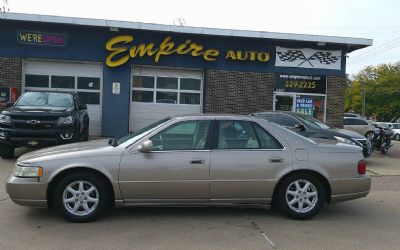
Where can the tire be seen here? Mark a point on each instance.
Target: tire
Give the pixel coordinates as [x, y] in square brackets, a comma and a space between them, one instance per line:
[289, 191]
[397, 137]
[6, 151]
[82, 206]
[369, 135]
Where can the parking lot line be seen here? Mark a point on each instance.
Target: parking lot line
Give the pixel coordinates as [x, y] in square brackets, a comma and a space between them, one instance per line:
[258, 228]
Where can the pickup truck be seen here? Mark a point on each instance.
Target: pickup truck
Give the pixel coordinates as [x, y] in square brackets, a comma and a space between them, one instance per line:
[41, 119]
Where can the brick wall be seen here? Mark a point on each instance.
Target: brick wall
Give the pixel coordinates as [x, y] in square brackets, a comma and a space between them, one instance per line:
[10, 72]
[237, 92]
[335, 101]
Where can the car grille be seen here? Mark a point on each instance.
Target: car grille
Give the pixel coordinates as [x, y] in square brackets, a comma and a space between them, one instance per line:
[34, 122]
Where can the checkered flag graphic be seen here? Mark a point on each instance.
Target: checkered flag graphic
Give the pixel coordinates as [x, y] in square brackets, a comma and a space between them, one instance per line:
[291, 55]
[324, 57]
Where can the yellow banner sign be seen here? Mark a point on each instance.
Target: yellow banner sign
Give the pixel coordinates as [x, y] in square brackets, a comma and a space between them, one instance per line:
[121, 50]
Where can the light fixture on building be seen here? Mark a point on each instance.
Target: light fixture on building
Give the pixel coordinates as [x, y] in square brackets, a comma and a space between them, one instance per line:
[321, 43]
[114, 29]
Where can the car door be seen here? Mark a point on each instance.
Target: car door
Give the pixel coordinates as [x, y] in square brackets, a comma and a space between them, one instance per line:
[175, 171]
[245, 162]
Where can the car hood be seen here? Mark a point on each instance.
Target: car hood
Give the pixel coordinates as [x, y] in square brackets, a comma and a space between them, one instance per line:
[90, 148]
[349, 133]
[36, 110]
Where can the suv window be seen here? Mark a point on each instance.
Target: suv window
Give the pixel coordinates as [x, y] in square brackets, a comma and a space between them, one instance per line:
[188, 135]
[353, 121]
[285, 120]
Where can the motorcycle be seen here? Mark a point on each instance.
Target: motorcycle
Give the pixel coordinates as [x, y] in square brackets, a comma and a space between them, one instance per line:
[382, 139]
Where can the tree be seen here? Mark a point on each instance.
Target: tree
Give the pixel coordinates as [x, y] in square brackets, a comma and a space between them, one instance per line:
[382, 92]
[4, 6]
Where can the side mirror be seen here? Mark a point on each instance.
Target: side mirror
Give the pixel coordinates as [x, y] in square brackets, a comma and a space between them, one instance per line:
[9, 104]
[82, 106]
[300, 126]
[146, 146]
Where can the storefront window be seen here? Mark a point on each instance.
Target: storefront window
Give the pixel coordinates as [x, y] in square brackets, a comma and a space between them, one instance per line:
[89, 97]
[167, 83]
[143, 82]
[92, 83]
[65, 82]
[142, 96]
[171, 90]
[190, 84]
[37, 81]
[189, 98]
[167, 97]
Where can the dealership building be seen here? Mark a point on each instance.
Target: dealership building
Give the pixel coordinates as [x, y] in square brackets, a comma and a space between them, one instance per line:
[132, 74]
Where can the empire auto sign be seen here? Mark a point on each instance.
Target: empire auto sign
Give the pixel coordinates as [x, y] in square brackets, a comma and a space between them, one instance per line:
[122, 48]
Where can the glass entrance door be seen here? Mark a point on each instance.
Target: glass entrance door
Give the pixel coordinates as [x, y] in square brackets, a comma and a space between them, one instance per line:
[283, 102]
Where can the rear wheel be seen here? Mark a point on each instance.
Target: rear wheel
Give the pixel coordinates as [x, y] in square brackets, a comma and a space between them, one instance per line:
[301, 196]
[82, 196]
[6, 151]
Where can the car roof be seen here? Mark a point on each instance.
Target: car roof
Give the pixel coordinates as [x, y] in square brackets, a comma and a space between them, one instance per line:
[216, 116]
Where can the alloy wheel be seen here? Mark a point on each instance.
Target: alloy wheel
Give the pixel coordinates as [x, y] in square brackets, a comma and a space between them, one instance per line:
[301, 196]
[80, 198]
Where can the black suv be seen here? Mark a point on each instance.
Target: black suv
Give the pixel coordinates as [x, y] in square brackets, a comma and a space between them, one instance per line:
[310, 127]
[40, 119]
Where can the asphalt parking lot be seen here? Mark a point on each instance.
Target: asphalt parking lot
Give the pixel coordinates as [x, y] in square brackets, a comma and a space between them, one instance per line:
[369, 223]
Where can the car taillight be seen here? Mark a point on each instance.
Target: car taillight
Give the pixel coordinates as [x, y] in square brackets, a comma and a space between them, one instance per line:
[362, 167]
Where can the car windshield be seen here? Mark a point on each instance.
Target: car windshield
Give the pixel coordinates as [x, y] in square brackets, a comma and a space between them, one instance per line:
[312, 123]
[137, 133]
[46, 99]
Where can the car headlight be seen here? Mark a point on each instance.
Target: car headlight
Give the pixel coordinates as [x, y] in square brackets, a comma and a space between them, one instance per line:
[66, 120]
[28, 171]
[344, 140]
[5, 119]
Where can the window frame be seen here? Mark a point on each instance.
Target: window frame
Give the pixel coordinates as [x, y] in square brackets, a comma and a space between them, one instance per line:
[207, 145]
[178, 91]
[253, 124]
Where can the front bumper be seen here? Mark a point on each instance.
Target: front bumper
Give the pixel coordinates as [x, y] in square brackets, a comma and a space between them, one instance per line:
[27, 191]
[350, 189]
[37, 138]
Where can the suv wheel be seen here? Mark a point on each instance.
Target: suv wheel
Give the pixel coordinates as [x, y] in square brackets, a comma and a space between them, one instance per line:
[301, 196]
[397, 137]
[6, 151]
[82, 196]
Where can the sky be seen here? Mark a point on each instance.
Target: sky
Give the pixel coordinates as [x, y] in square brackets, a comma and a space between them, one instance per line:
[374, 19]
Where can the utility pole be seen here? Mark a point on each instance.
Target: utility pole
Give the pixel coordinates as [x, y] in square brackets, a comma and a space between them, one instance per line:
[363, 99]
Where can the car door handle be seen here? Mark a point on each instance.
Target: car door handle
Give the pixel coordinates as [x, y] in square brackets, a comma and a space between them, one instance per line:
[275, 160]
[197, 161]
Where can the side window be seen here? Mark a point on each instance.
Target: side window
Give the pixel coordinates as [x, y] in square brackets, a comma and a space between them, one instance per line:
[348, 121]
[266, 139]
[360, 122]
[237, 135]
[285, 120]
[189, 135]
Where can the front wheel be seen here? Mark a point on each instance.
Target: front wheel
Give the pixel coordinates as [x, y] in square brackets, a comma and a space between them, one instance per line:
[369, 135]
[82, 197]
[301, 196]
[397, 137]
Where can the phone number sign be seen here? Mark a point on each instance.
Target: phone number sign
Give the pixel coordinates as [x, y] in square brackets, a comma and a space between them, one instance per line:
[300, 83]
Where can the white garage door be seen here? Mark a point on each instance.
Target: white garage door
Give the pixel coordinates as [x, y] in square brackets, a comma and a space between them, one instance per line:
[158, 93]
[85, 79]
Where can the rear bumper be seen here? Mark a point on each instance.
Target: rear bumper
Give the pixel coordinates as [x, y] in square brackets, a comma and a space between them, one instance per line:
[37, 138]
[349, 189]
[27, 191]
